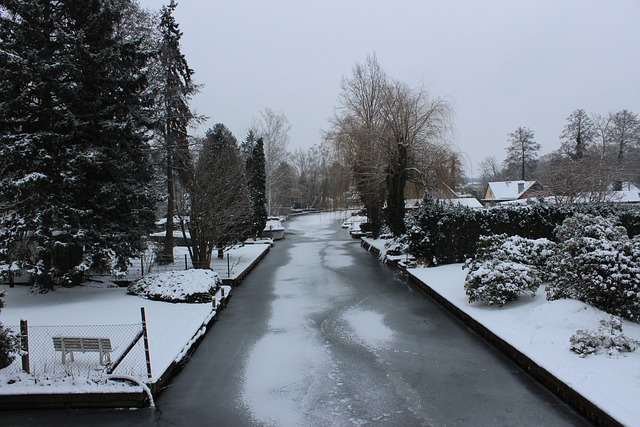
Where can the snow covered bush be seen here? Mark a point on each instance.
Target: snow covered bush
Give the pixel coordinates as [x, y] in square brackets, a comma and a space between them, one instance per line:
[505, 267]
[8, 342]
[397, 246]
[598, 264]
[192, 286]
[608, 337]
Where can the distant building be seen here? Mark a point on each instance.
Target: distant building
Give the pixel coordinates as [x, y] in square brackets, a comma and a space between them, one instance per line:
[469, 202]
[630, 193]
[509, 191]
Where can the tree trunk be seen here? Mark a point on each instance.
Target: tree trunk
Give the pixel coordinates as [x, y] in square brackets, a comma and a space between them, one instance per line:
[374, 214]
[167, 253]
[203, 260]
[396, 181]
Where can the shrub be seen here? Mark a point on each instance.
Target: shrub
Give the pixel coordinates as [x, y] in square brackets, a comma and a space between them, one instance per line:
[609, 337]
[192, 286]
[8, 342]
[504, 268]
[598, 264]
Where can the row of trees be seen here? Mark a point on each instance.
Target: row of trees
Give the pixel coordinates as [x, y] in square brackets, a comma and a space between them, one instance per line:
[597, 154]
[94, 113]
[94, 136]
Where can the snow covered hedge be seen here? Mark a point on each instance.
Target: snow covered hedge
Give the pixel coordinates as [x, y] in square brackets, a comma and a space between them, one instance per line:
[597, 263]
[443, 233]
[506, 267]
[192, 286]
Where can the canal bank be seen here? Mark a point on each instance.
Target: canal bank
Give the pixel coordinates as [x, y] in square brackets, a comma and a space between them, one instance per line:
[589, 408]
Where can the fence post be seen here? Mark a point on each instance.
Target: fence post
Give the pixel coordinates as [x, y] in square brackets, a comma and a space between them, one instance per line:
[146, 341]
[186, 266]
[228, 267]
[24, 345]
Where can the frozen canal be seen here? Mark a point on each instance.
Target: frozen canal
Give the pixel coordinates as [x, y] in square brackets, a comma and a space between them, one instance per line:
[322, 334]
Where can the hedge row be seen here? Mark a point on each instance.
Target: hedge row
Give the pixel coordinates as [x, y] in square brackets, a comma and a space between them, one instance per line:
[444, 233]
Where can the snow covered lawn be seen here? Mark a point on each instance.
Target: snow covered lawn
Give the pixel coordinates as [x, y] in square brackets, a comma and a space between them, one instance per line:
[172, 328]
[541, 329]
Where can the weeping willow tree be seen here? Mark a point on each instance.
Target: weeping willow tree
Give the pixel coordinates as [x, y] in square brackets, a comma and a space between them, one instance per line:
[389, 135]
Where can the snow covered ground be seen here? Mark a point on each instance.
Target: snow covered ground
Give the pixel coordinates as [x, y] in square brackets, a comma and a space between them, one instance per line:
[541, 330]
[172, 328]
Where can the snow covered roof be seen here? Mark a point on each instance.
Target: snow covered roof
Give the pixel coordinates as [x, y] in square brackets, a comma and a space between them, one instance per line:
[630, 193]
[469, 202]
[507, 190]
[412, 203]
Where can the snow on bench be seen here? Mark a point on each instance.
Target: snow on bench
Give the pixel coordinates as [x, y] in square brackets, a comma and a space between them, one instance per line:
[67, 345]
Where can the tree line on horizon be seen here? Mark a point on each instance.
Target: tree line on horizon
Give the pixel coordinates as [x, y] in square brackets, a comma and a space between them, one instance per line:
[598, 153]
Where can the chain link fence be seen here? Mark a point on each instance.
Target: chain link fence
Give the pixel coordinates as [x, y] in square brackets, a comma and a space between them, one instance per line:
[81, 350]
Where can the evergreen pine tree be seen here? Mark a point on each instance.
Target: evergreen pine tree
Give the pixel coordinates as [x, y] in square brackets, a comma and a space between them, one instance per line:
[74, 182]
[175, 92]
[256, 175]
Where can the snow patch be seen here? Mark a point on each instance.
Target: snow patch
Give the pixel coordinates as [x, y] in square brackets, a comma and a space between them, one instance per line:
[369, 327]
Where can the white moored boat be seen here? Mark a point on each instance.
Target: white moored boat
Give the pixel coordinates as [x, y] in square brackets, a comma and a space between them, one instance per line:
[273, 229]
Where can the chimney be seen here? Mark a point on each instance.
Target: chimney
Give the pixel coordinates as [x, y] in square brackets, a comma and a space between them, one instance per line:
[520, 187]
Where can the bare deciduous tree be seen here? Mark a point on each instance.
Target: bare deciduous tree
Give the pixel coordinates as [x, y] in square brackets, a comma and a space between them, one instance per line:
[522, 151]
[274, 129]
[490, 169]
[602, 126]
[578, 134]
[625, 135]
[356, 133]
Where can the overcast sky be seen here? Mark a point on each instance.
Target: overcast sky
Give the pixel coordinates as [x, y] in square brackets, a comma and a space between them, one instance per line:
[502, 64]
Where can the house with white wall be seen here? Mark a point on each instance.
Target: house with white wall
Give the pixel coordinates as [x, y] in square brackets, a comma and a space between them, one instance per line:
[509, 191]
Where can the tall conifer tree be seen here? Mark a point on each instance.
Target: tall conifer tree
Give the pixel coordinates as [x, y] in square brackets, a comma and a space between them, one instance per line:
[177, 88]
[257, 183]
[74, 180]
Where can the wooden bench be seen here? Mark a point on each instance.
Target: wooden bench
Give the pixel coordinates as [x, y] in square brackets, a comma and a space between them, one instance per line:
[67, 345]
